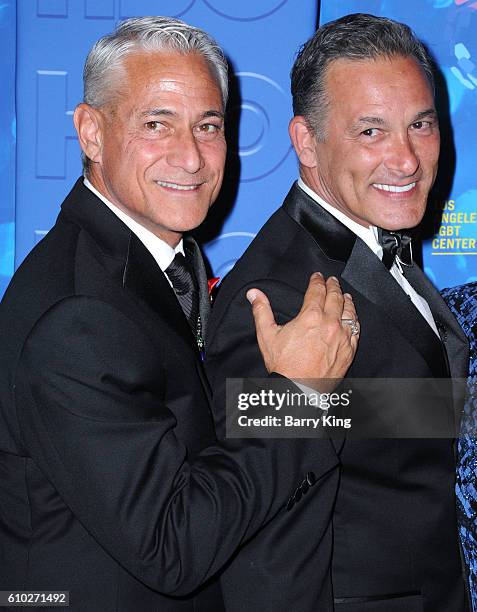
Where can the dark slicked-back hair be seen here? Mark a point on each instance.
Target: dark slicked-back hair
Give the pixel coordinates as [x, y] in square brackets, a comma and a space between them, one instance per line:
[353, 37]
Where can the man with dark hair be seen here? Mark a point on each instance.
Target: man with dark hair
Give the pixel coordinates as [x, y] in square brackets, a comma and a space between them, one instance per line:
[366, 135]
[112, 486]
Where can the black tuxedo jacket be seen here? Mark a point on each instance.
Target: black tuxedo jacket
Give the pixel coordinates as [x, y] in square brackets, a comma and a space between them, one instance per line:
[109, 485]
[386, 539]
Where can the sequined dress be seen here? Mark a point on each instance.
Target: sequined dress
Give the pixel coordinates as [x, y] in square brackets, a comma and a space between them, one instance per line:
[462, 301]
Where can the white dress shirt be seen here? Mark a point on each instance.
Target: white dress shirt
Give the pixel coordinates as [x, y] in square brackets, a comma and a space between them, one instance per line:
[369, 235]
[162, 252]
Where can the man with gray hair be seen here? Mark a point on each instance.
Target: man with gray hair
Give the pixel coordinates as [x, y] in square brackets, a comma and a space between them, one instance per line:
[366, 134]
[112, 487]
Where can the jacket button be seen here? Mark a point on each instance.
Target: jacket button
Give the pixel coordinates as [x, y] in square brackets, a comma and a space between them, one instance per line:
[311, 478]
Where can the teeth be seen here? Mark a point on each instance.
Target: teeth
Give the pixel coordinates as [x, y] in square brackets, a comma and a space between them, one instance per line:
[394, 188]
[176, 186]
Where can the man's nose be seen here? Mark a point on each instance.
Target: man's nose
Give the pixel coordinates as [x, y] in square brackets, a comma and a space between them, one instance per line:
[401, 157]
[185, 153]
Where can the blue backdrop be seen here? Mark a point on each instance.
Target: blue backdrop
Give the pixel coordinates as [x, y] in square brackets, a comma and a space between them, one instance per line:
[260, 38]
[43, 45]
[7, 141]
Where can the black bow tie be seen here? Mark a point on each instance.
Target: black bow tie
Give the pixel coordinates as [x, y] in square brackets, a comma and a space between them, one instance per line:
[395, 244]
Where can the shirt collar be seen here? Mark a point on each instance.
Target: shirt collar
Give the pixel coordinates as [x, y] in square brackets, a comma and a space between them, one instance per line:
[369, 235]
[162, 252]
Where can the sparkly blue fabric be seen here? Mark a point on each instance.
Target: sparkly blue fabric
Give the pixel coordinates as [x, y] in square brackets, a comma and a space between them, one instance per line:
[463, 303]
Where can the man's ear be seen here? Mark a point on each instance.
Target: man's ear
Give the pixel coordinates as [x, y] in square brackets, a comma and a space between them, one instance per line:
[303, 141]
[88, 122]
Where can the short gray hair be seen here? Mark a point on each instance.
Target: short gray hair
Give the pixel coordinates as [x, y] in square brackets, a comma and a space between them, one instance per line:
[149, 34]
[353, 37]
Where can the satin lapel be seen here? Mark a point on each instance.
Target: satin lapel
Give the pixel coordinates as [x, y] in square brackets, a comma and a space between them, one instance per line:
[331, 236]
[201, 274]
[367, 275]
[146, 280]
[454, 339]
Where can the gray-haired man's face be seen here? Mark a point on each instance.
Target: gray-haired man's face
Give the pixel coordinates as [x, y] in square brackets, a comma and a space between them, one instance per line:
[159, 152]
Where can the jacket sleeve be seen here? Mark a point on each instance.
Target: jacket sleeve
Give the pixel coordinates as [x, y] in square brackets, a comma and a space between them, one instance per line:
[287, 564]
[88, 393]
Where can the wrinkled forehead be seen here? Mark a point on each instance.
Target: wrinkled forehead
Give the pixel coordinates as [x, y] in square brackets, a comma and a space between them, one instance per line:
[391, 83]
[143, 68]
[145, 75]
[383, 69]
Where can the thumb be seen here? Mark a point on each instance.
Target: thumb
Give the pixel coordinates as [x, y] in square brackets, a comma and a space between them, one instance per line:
[262, 314]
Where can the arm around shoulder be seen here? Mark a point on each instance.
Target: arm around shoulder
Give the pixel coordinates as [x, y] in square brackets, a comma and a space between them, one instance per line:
[88, 398]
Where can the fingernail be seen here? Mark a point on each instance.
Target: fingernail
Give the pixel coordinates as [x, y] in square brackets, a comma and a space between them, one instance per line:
[348, 295]
[317, 275]
[333, 278]
[251, 295]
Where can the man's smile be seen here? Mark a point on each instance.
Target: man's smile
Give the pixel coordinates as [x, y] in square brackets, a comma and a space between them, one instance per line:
[394, 188]
[179, 186]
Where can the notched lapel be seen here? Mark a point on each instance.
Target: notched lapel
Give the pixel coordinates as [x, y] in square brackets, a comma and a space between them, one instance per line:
[126, 259]
[368, 276]
[143, 277]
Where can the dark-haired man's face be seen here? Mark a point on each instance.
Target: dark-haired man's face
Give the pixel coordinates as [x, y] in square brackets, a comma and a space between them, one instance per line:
[378, 160]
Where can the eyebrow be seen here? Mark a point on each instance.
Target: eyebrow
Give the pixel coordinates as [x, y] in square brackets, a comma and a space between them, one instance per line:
[161, 112]
[213, 113]
[367, 121]
[374, 120]
[429, 112]
[155, 112]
